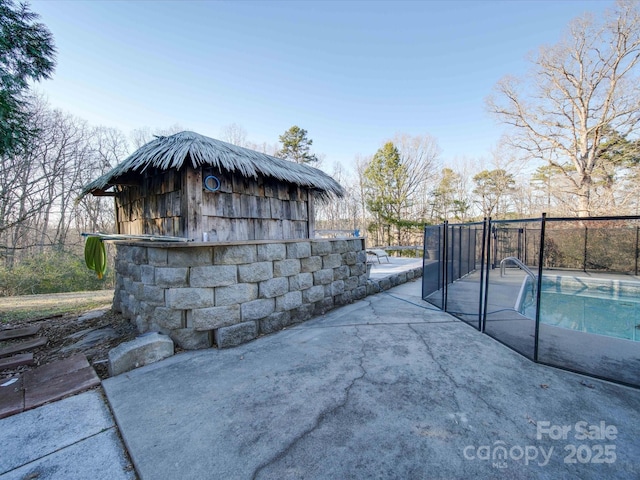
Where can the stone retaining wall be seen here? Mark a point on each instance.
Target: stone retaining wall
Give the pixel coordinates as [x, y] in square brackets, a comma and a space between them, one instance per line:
[202, 294]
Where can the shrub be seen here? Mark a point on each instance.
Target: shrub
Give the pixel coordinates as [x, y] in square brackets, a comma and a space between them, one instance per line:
[52, 272]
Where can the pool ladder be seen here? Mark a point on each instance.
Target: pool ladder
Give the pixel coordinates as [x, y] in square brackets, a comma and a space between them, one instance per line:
[519, 264]
[528, 271]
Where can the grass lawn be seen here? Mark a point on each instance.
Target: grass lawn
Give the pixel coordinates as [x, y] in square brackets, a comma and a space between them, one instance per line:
[26, 308]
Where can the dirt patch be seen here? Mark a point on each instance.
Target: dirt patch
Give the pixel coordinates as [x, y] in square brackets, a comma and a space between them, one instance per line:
[62, 319]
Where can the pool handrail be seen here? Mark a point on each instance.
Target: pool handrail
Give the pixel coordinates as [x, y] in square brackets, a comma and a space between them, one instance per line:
[528, 271]
[518, 264]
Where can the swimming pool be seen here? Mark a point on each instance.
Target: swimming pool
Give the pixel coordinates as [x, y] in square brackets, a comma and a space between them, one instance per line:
[600, 306]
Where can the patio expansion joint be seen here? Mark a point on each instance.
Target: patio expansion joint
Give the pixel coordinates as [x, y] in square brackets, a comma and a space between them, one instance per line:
[324, 415]
[53, 452]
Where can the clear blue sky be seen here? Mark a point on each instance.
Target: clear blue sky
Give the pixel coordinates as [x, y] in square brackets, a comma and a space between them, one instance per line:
[351, 73]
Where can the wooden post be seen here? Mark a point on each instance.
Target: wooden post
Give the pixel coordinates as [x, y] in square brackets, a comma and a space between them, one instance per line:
[191, 208]
[311, 222]
[116, 205]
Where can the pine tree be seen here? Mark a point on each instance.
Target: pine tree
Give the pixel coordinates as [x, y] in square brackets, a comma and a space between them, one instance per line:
[385, 180]
[27, 52]
[296, 146]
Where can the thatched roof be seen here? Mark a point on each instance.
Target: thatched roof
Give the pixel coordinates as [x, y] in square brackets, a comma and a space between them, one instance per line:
[172, 152]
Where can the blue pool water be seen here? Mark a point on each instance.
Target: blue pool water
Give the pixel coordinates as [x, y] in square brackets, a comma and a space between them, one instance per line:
[593, 305]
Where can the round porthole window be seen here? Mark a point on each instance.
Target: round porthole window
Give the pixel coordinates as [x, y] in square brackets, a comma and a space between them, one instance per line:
[212, 183]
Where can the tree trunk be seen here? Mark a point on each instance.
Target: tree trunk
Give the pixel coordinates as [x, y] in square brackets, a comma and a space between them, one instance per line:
[584, 196]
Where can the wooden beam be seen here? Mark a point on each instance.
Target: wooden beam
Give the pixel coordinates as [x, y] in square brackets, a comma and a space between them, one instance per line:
[102, 193]
[311, 221]
[192, 202]
[19, 332]
[22, 346]
[16, 360]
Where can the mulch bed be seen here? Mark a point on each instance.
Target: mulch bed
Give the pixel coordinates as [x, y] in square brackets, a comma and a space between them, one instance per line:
[59, 331]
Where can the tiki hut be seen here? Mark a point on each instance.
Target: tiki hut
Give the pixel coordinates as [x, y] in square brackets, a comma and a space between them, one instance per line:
[192, 186]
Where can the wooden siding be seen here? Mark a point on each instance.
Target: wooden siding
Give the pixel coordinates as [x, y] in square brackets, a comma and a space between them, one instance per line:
[154, 207]
[246, 208]
[176, 203]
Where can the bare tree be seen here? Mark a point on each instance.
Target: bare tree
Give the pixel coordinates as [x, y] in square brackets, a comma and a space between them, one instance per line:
[143, 135]
[264, 147]
[109, 147]
[360, 188]
[420, 154]
[579, 90]
[234, 134]
[61, 152]
[343, 213]
[22, 193]
[39, 187]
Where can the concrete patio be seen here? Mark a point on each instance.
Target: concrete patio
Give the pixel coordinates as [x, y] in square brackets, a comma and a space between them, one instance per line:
[387, 387]
[395, 265]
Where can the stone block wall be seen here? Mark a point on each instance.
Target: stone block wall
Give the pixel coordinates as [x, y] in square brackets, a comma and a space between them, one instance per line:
[202, 294]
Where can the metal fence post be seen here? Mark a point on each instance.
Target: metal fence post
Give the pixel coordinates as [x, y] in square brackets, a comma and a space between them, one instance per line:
[445, 262]
[637, 232]
[424, 259]
[460, 234]
[486, 273]
[538, 293]
[584, 260]
[482, 300]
